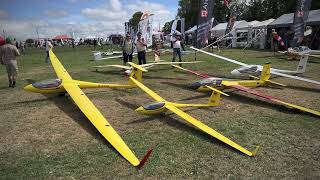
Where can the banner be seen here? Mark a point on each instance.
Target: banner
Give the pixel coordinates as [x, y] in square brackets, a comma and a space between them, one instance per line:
[204, 22]
[300, 17]
[145, 27]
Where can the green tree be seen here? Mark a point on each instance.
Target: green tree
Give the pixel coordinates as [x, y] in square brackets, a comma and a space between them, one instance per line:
[134, 21]
[167, 27]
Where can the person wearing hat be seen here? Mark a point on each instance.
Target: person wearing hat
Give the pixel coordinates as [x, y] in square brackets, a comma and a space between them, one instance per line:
[8, 54]
[127, 49]
[141, 48]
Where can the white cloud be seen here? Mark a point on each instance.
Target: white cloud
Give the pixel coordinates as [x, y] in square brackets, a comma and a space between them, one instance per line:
[55, 13]
[115, 4]
[3, 14]
[101, 21]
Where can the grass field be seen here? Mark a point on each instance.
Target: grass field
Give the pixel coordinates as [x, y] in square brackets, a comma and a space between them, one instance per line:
[44, 136]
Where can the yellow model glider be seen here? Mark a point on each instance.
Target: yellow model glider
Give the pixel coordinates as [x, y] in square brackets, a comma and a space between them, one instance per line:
[162, 106]
[243, 85]
[73, 87]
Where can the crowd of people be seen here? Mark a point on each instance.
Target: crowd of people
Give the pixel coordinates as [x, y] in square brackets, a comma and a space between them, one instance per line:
[13, 48]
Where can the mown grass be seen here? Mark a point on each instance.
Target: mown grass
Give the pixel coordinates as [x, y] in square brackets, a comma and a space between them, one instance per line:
[48, 136]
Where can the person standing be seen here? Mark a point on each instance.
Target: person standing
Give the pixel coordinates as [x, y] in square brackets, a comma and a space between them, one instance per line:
[48, 46]
[127, 48]
[141, 48]
[8, 54]
[156, 49]
[177, 45]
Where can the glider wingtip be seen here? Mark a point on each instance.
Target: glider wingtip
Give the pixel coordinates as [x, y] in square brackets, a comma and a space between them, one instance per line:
[254, 152]
[145, 158]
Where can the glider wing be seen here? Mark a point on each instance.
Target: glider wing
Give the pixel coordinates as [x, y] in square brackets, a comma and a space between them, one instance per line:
[101, 124]
[273, 99]
[295, 77]
[209, 130]
[147, 90]
[58, 67]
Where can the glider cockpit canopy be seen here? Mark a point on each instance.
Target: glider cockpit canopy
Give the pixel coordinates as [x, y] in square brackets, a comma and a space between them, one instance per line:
[49, 83]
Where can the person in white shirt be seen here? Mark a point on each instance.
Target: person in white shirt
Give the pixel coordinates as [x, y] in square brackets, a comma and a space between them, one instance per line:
[141, 48]
[177, 45]
[48, 46]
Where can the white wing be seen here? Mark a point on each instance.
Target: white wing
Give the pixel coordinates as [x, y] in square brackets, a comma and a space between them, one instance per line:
[295, 77]
[220, 57]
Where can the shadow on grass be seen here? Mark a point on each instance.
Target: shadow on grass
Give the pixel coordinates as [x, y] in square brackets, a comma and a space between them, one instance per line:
[304, 88]
[66, 105]
[173, 122]
[266, 104]
[114, 73]
[162, 78]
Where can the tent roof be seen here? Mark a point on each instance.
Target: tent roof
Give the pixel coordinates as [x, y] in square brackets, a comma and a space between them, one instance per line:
[63, 37]
[287, 19]
[246, 25]
[223, 26]
[2, 41]
[191, 30]
[263, 23]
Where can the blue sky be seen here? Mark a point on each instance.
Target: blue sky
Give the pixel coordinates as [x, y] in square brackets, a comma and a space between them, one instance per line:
[84, 17]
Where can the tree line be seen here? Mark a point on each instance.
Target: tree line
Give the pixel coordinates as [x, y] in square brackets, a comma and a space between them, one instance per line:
[245, 10]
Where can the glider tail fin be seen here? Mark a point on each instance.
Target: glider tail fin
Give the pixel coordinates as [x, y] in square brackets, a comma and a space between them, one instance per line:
[302, 63]
[136, 73]
[214, 99]
[265, 74]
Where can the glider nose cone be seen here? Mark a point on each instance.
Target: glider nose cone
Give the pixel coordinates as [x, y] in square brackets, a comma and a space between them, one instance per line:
[29, 88]
[140, 109]
[195, 85]
[235, 72]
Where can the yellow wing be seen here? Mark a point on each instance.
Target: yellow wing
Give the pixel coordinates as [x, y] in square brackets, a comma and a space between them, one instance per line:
[58, 68]
[147, 90]
[209, 130]
[101, 124]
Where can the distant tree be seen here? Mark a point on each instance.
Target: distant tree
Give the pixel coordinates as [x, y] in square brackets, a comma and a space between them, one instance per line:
[29, 41]
[134, 21]
[167, 27]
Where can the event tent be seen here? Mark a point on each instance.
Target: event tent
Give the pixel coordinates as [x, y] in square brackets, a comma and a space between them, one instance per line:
[63, 37]
[286, 20]
[263, 24]
[191, 30]
[220, 29]
[2, 41]
[245, 26]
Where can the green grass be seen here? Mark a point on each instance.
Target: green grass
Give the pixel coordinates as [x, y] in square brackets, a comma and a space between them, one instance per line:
[45, 137]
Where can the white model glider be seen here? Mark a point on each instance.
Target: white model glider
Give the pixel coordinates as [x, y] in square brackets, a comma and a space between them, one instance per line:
[257, 69]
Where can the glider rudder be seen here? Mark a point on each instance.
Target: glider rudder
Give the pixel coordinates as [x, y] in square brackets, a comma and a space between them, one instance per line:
[136, 73]
[214, 99]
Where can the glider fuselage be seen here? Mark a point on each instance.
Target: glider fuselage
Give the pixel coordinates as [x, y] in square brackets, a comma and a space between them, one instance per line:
[152, 109]
[46, 86]
[219, 83]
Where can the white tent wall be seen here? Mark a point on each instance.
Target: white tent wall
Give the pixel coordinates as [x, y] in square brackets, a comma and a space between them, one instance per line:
[219, 30]
[260, 33]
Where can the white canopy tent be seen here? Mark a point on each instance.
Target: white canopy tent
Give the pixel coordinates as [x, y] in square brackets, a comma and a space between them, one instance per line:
[220, 29]
[191, 30]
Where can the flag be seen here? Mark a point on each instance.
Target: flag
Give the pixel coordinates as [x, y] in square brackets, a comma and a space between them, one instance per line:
[204, 22]
[300, 17]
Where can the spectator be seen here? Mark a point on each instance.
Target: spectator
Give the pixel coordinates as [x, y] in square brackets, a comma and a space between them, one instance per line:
[127, 48]
[177, 45]
[48, 46]
[8, 54]
[141, 48]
